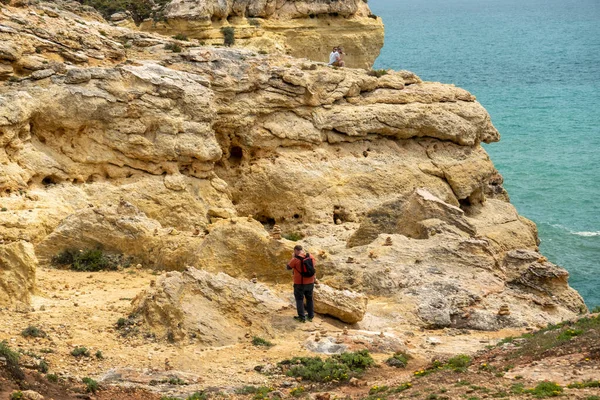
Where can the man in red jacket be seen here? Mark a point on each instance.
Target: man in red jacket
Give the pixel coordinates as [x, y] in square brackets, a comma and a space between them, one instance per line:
[303, 286]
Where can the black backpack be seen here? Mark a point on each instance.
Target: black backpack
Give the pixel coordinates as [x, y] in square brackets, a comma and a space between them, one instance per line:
[307, 267]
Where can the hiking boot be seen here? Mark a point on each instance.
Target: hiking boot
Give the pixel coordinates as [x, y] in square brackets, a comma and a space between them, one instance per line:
[309, 319]
[300, 319]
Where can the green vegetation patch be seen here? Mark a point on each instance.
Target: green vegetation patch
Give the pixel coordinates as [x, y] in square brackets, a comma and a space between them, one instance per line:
[258, 341]
[293, 236]
[554, 335]
[398, 360]
[80, 352]
[545, 389]
[181, 36]
[32, 331]
[174, 47]
[340, 367]
[584, 384]
[91, 386]
[89, 260]
[259, 392]
[458, 363]
[377, 73]
[12, 361]
[228, 35]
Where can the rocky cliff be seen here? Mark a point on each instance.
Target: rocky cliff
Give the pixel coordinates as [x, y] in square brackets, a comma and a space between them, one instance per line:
[304, 29]
[109, 139]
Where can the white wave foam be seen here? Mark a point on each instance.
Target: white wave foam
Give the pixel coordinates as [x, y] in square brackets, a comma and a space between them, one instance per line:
[583, 233]
[588, 234]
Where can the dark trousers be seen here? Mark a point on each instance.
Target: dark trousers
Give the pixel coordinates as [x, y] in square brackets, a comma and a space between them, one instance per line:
[301, 292]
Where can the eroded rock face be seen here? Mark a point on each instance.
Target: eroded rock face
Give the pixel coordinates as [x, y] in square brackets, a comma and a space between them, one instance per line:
[190, 158]
[215, 308]
[347, 306]
[17, 273]
[300, 28]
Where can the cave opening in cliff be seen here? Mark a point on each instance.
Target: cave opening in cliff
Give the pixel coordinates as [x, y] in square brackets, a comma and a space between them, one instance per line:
[236, 154]
[50, 180]
[464, 203]
[266, 221]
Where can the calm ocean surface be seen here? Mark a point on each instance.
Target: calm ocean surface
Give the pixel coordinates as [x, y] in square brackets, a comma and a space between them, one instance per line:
[535, 66]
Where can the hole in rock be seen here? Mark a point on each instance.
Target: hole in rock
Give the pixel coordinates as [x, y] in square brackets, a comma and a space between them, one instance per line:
[50, 180]
[297, 216]
[464, 203]
[340, 215]
[268, 222]
[236, 152]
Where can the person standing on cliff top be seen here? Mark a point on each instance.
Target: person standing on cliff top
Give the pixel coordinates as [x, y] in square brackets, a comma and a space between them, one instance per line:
[303, 265]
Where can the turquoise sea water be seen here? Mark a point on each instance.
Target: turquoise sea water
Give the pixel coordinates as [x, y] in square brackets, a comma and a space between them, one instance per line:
[535, 66]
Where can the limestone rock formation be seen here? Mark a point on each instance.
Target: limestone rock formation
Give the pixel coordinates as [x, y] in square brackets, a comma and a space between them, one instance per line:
[214, 308]
[347, 306]
[111, 138]
[17, 273]
[304, 29]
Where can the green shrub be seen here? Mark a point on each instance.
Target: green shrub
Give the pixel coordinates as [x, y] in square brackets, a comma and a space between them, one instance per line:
[91, 386]
[546, 389]
[16, 395]
[32, 331]
[258, 341]
[263, 52]
[3, 209]
[260, 392]
[592, 398]
[569, 334]
[52, 378]
[80, 352]
[99, 355]
[12, 361]
[378, 73]
[459, 363]
[398, 360]
[254, 22]
[43, 367]
[595, 310]
[177, 381]
[340, 367]
[584, 384]
[174, 47]
[378, 389]
[181, 37]
[88, 260]
[294, 236]
[228, 35]
[297, 391]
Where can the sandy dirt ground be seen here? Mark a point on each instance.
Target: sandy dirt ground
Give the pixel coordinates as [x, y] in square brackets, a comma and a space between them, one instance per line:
[81, 309]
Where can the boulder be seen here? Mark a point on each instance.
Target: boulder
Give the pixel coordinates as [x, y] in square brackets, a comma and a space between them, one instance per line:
[216, 309]
[121, 229]
[17, 273]
[347, 306]
[244, 249]
[419, 216]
